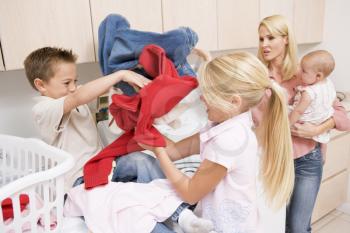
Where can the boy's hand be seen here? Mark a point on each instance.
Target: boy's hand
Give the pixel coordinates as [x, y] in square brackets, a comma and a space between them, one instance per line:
[134, 79]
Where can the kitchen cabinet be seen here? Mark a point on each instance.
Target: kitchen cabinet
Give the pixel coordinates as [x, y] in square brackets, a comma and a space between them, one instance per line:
[308, 20]
[2, 68]
[28, 25]
[333, 191]
[238, 22]
[277, 7]
[142, 15]
[220, 24]
[200, 15]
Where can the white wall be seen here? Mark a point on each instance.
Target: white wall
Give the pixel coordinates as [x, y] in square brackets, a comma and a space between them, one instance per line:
[336, 39]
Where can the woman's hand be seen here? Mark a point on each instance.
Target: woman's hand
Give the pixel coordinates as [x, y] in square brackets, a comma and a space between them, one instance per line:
[133, 78]
[305, 130]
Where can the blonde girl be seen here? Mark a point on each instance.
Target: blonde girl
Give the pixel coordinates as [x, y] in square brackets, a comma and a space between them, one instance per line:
[277, 50]
[225, 182]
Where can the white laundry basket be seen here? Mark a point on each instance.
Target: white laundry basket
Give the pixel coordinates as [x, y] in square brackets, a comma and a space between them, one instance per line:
[29, 166]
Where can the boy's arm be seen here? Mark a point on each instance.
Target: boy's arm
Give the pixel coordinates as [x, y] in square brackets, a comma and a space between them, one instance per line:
[97, 87]
[298, 111]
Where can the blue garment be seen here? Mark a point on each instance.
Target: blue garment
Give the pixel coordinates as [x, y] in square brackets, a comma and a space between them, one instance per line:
[120, 47]
[308, 176]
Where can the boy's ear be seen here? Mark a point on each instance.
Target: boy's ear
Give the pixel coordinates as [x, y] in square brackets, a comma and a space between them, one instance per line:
[39, 84]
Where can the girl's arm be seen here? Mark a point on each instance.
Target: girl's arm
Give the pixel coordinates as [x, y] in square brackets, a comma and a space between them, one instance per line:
[191, 190]
[184, 148]
[339, 121]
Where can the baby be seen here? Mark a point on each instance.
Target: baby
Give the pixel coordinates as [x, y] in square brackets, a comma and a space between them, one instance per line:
[314, 99]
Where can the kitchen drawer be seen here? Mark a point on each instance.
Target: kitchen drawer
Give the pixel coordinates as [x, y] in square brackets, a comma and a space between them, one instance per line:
[338, 153]
[331, 195]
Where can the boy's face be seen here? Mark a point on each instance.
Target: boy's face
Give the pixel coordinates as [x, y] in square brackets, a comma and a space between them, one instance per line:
[63, 82]
[308, 75]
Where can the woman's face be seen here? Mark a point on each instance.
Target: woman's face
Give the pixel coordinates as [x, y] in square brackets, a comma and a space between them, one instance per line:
[271, 46]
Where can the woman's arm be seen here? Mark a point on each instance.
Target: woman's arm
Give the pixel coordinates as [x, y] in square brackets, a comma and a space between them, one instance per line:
[191, 190]
[339, 121]
[184, 148]
[308, 130]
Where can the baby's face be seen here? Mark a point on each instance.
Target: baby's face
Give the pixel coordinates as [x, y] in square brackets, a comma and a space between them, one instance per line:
[309, 75]
[63, 82]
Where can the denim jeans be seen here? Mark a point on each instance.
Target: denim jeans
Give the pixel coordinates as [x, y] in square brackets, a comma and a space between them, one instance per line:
[134, 167]
[119, 47]
[137, 167]
[308, 176]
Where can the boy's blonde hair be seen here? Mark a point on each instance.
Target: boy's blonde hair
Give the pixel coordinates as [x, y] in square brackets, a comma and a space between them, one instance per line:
[278, 25]
[41, 63]
[243, 74]
[321, 61]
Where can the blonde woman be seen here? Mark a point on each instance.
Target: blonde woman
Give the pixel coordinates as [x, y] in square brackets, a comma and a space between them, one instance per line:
[225, 183]
[277, 50]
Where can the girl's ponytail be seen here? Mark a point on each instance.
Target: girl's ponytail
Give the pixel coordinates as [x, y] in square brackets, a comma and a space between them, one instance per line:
[277, 162]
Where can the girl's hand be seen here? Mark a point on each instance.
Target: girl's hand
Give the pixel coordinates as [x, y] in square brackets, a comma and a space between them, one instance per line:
[305, 130]
[133, 78]
[156, 150]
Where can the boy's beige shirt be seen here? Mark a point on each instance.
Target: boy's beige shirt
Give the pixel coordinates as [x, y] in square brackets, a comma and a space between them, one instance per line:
[75, 133]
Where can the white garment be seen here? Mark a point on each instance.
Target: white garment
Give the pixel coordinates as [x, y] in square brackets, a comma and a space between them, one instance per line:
[184, 120]
[232, 206]
[123, 207]
[322, 96]
[75, 133]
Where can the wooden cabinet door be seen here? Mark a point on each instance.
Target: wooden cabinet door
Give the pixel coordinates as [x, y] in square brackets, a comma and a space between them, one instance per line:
[142, 15]
[337, 155]
[309, 20]
[31, 24]
[277, 7]
[1, 62]
[200, 15]
[238, 22]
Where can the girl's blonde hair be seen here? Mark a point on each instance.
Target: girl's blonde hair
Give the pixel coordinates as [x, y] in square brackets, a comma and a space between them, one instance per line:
[278, 25]
[243, 74]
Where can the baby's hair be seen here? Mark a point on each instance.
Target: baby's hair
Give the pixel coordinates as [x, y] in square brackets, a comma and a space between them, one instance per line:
[243, 74]
[41, 63]
[321, 60]
[278, 25]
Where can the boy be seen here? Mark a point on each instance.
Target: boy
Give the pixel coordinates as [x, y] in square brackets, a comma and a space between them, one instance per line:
[314, 100]
[61, 114]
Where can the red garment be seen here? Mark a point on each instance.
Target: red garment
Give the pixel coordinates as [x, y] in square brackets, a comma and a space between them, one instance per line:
[135, 114]
[7, 209]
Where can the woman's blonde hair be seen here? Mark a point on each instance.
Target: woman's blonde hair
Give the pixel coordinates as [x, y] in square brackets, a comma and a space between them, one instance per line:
[243, 74]
[278, 25]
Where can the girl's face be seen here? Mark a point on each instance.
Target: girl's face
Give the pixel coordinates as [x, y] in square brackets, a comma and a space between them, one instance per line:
[215, 114]
[271, 46]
